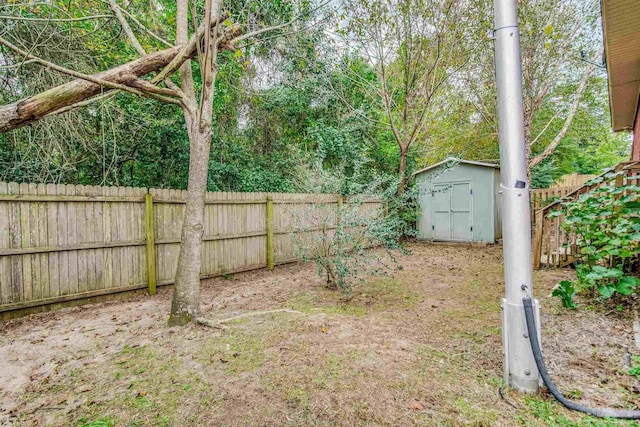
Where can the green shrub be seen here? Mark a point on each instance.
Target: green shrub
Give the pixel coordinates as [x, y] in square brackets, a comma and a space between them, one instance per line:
[606, 224]
[566, 291]
[342, 235]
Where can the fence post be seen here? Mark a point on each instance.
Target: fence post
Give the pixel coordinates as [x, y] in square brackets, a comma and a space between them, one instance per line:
[270, 255]
[537, 242]
[151, 244]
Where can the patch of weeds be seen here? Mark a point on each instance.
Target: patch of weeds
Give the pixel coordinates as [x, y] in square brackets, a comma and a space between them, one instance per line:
[308, 302]
[100, 422]
[236, 351]
[389, 293]
[297, 396]
[430, 354]
[378, 295]
[492, 330]
[471, 336]
[148, 391]
[575, 394]
[549, 413]
[227, 276]
[335, 371]
[473, 414]
[133, 350]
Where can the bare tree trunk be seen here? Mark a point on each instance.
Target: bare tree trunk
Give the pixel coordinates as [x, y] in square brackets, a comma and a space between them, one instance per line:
[185, 305]
[402, 171]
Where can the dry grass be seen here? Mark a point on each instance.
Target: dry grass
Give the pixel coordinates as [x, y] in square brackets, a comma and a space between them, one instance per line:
[420, 348]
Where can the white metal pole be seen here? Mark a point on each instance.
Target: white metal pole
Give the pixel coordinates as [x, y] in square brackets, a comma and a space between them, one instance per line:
[520, 370]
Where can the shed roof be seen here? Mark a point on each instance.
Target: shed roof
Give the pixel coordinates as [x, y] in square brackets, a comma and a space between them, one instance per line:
[454, 160]
[621, 29]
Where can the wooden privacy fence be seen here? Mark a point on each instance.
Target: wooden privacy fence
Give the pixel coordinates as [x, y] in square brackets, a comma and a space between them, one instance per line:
[552, 245]
[66, 242]
[573, 180]
[541, 197]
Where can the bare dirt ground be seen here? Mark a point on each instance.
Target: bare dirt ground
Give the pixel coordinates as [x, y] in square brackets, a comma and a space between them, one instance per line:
[420, 348]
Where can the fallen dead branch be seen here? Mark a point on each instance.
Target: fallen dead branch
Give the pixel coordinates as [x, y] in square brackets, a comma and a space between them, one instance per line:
[219, 324]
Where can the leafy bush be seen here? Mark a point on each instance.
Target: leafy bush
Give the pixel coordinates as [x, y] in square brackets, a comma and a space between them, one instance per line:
[606, 224]
[566, 291]
[342, 235]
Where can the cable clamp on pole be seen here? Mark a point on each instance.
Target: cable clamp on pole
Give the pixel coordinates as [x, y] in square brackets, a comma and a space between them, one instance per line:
[491, 34]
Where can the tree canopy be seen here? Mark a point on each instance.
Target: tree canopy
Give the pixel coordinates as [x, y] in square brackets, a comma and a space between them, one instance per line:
[307, 101]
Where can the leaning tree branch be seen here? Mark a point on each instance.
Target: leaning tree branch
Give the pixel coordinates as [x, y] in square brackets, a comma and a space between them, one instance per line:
[89, 78]
[84, 103]
[145, 29]
[60, 98]
[81, 18]
[118, 12]
[569, 119]
[283, 25]
[86, 88]
[188, 50]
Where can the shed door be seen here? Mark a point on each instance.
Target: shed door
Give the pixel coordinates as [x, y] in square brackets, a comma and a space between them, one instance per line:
[441, 226]
[452, 211]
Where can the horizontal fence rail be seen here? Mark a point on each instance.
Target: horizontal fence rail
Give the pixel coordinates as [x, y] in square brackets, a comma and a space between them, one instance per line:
[552, 245]
[67, 242]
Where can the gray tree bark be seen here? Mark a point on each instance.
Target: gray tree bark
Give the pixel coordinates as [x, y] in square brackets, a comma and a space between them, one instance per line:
[185, 304]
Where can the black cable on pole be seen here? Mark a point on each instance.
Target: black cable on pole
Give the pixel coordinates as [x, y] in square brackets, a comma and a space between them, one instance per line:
[537, 354]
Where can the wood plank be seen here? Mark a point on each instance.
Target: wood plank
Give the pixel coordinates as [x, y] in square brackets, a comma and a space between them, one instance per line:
[32, 240]
[137, 213]
[269, 249]
[6, 294]
[124, 216]
[52, 240]
[63, 235]
[114, 232]
[96, 223]
[107, 253]
[92, 239]
[72, 239]
[43, 259]
[91, 228]
[64, 298]
[537, 242]
[81, 238]
[152, 277]
[25, 225]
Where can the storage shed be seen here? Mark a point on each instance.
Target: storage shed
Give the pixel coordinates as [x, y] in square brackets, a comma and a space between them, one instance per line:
[459, 201]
